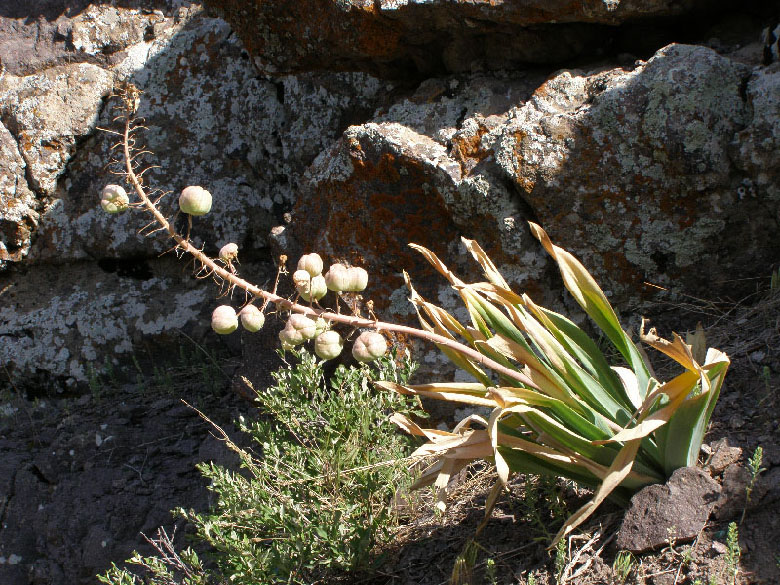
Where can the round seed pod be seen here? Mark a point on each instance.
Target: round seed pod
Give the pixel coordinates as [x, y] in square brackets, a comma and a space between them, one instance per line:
[315, 290]
[337, 278]
[321, 325]
[114, 199]
[303, 325]
[369, 346]
[224, 320]
[228, 252]
[302, 282]
[311, 263]
[195, 200]
[328, 345]
[290, 337]
[358, 279]
[251, 318]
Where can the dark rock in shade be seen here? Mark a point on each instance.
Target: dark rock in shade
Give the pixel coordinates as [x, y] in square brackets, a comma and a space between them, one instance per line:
[679, 509]
[401, 37]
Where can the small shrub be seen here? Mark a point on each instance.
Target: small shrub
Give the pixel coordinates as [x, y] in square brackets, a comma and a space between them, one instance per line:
[315, 489]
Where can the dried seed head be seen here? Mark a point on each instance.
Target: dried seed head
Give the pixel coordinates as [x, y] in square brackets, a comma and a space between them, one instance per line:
[369, 346]
[328, 345]
[303, 325]
[114, 199]
[195, 200]
[337, 278]
[358, 279]
[251, 318]
[311, 263]
[224, 320]
[228, 252]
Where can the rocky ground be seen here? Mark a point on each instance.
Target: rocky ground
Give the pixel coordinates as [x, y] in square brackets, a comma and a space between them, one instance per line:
[84, 476]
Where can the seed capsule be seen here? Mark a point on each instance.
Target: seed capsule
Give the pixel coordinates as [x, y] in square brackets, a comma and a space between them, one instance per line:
[311, 263]
[290, 337]
[114, 199]
[358, 279]
[321, 325]
[337, 278]
[316, 289]
[303, 325]
[251, 318]
[224, 320]
[369, 346]
[328, 345]
[195, 200]
[228, 252]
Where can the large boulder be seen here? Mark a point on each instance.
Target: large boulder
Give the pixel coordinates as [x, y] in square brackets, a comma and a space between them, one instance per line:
[655, 174]
[664, 173]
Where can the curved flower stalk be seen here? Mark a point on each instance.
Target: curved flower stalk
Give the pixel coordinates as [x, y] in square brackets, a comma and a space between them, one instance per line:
[198, 200]
[612, 428]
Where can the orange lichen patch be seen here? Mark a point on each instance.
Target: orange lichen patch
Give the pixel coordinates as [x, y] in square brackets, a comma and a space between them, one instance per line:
[370, 218]
[467, 148]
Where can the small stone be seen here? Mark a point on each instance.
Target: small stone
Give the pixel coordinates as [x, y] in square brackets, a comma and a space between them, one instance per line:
[723, 455]
[679, 508]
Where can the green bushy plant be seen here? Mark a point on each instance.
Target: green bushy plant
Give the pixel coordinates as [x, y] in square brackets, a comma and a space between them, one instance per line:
[316, 485]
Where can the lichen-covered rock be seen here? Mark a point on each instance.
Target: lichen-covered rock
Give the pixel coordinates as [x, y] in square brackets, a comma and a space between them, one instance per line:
[211, 121]
[631, 171]
[55, 325]
[661, 173]
[394, 37]
[423, 178]
[18, 215]
[48, 112]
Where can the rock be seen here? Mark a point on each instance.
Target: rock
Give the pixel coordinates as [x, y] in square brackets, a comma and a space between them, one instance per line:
[679, 509]
[48, 112]
[632, 176]
[635, 177]
[723, 455]
[397, 38]
[424, 180]
[18, 206]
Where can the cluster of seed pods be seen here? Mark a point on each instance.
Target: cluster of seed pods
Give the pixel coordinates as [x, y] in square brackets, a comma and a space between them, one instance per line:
[311, 286]
[310, 283]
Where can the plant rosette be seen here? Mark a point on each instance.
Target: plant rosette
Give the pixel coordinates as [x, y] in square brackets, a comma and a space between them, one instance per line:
[224, 320]
[114, 199]
[369, 346]
[195, 201]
